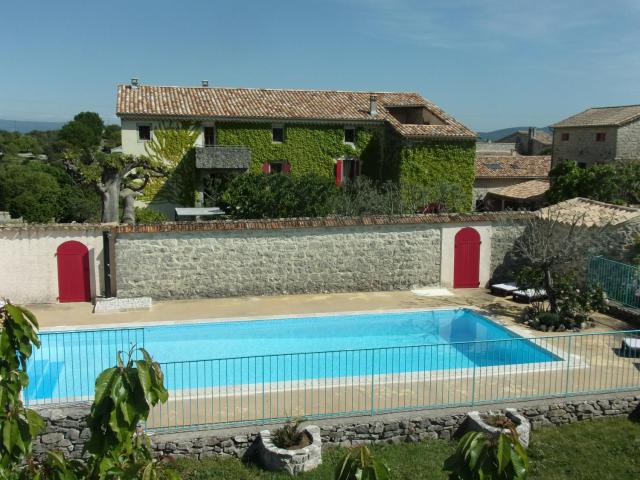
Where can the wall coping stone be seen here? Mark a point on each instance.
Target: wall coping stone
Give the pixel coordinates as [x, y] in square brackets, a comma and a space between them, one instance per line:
[322, 222]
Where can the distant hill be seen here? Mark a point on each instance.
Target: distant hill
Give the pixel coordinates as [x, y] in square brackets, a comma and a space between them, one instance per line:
[498, 134]
[26, 126]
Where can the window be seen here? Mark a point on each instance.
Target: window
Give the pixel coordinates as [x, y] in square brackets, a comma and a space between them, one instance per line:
[347, 169]
[582, 165]
[564, 137]
[277, 134]
[601, 137]
[144, 132]
[209, 136]
[276, 167]
[350, 135]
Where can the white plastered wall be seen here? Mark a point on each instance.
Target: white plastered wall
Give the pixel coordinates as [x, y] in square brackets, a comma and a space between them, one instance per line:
[447, 250]
[29, 267]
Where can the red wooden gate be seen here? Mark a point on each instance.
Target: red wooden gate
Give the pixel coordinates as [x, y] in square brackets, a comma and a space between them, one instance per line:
[466, 259]
[73, 272]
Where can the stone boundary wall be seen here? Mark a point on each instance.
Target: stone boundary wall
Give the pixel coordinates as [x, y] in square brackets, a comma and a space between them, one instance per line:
[66, 429]
[296, 256]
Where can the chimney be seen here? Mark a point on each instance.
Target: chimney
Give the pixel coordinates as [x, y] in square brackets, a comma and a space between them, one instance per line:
[205, 83]
[135, 83]
[373, 105]
[532, 134]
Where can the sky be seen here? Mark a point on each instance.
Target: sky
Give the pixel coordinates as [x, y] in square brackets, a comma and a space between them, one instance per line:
[490, 63]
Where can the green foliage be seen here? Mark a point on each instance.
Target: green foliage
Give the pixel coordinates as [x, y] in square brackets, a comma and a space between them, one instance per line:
[433, 164]
[84, 131]
[309, 149]
[289, 435]
[18, 425]
[359, 464]
[172, 146]
[574, 304]
[111, 136]
[617, 183]
[150, 216]
[480, 456]
[278, 196]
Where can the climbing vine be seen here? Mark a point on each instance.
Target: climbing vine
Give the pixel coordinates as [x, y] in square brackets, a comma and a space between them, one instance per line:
[172, 144]
[435, 164]
[309, 149]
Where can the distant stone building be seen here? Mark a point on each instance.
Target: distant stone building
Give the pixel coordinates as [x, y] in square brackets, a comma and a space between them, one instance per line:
[505, 181]
[598, 135]
[529, 142]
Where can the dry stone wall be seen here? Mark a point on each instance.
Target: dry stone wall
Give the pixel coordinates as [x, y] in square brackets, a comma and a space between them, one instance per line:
[278, 261]
[66, 427]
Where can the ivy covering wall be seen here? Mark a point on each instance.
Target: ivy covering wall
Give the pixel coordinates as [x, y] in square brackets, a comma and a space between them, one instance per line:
[173, 144]
[309, 149]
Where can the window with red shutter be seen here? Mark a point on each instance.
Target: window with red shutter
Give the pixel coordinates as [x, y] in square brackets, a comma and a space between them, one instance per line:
[266, 168]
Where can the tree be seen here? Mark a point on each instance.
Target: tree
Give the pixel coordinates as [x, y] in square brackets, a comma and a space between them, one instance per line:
[84, 131]
[114, 176]
[548, 244]
[111, 137]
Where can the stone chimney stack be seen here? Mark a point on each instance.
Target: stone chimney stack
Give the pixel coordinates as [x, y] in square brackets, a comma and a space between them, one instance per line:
[135, 83]
[532, 135]
[205, 83]
[373, 105]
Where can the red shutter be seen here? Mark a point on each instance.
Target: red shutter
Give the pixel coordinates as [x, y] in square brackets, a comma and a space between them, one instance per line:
[265, 168]
[339, 172]
[286, 167]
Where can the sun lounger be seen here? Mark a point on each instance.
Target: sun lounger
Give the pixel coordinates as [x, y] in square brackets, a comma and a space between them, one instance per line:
[503, 289]
[630, 345]
[528, 295]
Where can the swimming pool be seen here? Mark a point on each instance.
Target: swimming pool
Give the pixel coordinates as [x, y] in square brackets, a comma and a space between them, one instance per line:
[283, 350]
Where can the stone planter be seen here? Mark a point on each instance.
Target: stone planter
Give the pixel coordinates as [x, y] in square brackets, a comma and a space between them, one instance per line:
[291, 461]
[476, 423]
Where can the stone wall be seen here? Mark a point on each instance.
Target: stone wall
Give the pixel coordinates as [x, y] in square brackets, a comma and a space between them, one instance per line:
[504, 263]
[290, 256]
[628, 147]
[66, 431]
[582, 146]
[269, 262]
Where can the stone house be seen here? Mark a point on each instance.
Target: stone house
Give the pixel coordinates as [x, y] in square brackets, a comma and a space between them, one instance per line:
[398, 136]
[529, 142]
[598, 135]
[505, 181]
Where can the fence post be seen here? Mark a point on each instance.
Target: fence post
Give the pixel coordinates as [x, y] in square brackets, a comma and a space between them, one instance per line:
[566, 382]
[473, 386]
[373, 370]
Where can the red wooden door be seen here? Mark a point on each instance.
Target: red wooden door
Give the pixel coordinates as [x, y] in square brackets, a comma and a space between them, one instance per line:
[466, 259]
[73, 272]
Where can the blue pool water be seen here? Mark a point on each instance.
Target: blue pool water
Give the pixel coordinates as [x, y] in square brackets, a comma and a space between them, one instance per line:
[216, 354]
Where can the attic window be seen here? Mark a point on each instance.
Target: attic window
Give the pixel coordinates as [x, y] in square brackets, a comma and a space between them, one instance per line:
[144, 133]
[349, 135]
[277, 134]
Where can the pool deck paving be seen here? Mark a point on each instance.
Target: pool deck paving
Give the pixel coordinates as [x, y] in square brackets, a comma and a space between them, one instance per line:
[81, 314]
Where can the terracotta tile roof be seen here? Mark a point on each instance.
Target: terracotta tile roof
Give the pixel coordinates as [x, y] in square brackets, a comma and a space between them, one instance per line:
[325, 222]
[512, 166]
[524, 190]
[602, 117]
[541, 135]
[254, 103]
[590, 212]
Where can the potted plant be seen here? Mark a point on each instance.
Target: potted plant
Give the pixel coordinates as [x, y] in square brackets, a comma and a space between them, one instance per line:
[290, 448]
[493, 424]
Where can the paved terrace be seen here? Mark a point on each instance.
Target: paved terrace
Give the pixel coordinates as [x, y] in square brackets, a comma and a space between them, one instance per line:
[593, 364]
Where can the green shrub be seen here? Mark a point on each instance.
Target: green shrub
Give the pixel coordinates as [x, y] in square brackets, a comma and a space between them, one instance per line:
[480, 456]
[359, 464]
[289, 435]
[148, 215]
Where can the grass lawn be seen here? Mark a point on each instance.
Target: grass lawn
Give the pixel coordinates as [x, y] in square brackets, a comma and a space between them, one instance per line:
[600, 449]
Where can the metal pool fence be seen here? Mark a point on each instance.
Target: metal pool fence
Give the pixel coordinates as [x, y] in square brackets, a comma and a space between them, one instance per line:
[261, 389]
[620, 281]
[65, 368]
